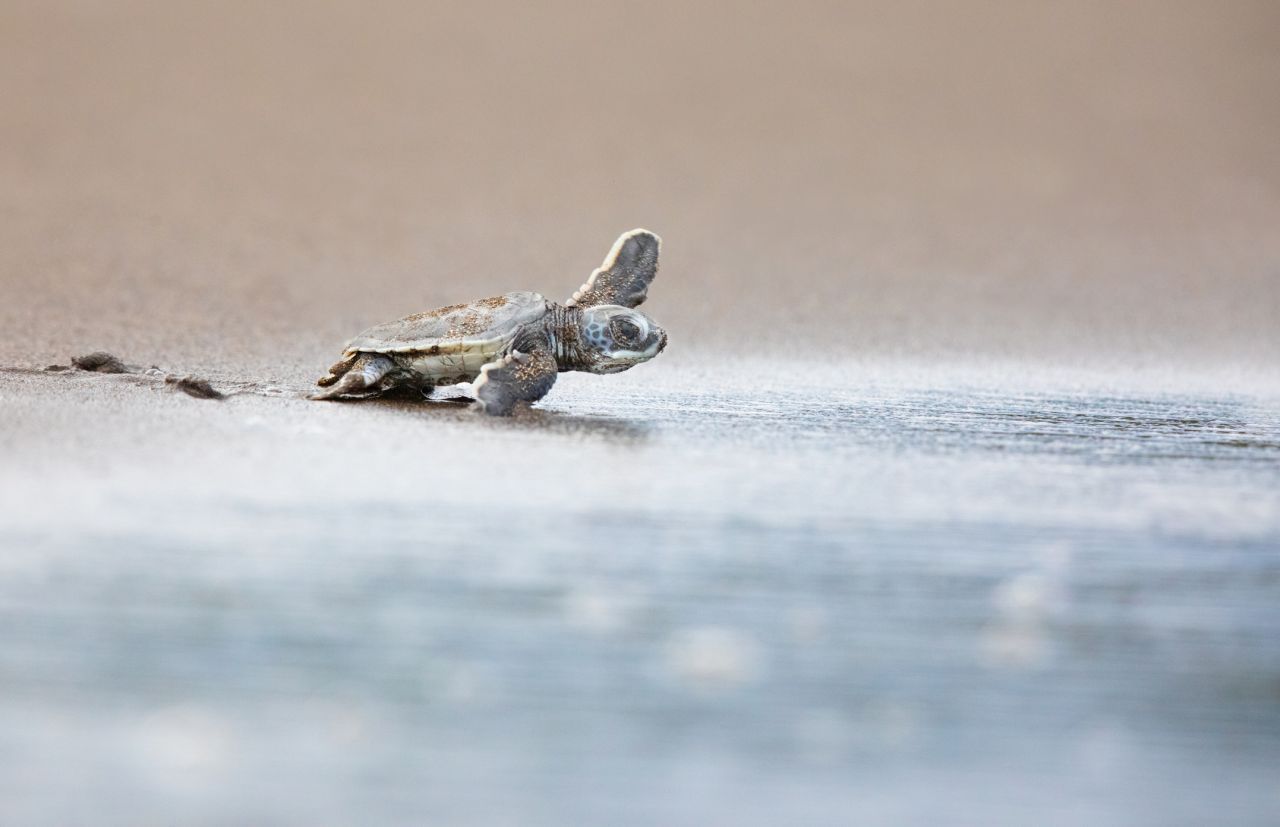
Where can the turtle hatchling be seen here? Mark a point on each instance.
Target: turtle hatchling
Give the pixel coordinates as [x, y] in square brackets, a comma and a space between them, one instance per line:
[511, 347]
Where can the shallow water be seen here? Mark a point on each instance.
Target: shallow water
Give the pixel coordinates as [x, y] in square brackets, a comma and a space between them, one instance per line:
[660, 599]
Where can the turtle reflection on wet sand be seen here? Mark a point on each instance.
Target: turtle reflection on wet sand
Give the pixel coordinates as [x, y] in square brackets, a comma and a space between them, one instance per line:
[511, 347]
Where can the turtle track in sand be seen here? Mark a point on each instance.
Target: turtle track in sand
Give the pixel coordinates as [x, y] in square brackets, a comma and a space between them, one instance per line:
[110, 367]
[108, 364]
[107, 367]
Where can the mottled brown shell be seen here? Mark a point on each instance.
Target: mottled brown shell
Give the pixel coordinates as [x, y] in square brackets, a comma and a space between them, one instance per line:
[473, 326]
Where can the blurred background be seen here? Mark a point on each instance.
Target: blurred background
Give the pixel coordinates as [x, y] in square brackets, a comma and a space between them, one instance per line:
[953, 500]
[1017, 179]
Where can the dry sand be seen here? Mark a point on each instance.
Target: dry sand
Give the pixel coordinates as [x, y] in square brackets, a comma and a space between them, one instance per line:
[244, 185]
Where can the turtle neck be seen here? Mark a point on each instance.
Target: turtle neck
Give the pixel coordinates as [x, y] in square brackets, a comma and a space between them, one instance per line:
[566, 338]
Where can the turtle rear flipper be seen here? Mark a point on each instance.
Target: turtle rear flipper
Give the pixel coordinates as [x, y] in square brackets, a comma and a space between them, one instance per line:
[362, 377]
[338, 370]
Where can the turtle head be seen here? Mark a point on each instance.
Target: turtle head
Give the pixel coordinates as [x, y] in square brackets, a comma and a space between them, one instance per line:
[615, 338]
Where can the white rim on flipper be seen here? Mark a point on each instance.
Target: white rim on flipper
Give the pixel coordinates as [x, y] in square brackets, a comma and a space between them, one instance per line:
[609, 261]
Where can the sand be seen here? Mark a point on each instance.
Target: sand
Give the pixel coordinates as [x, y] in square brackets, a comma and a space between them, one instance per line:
[958, 475]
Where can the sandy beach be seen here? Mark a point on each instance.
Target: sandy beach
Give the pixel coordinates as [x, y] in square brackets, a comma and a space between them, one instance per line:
[955, 491]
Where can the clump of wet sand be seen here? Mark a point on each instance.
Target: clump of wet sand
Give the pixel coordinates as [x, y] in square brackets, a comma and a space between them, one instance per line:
[100, 361]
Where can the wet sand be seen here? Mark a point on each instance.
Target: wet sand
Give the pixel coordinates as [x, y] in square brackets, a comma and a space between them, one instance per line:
[657, 599]
[954, 492]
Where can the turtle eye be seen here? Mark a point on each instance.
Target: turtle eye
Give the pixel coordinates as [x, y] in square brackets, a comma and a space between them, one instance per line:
[625, 331]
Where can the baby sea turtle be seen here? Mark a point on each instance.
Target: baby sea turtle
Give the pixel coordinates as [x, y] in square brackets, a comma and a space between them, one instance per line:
[511, 347]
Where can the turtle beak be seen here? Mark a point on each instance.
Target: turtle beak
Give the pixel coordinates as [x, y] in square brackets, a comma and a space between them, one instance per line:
[662, 343]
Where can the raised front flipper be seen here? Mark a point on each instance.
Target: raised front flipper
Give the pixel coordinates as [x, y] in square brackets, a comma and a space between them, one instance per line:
[517, 377]
[625, 275]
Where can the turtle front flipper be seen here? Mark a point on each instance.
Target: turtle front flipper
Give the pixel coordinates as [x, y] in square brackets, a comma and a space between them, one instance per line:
[364, 377]
[516, 377]
[625, 275]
